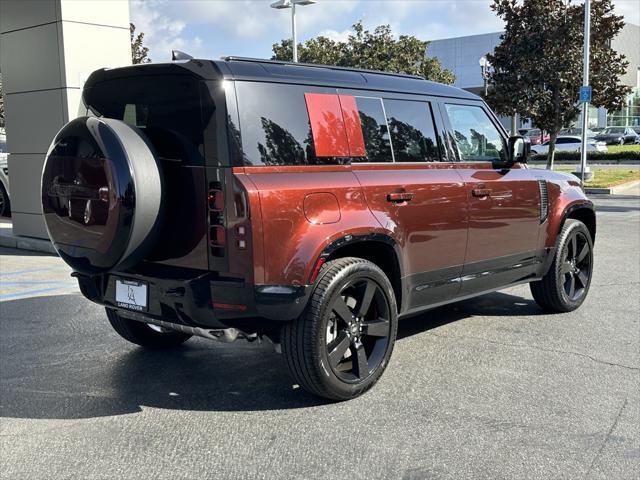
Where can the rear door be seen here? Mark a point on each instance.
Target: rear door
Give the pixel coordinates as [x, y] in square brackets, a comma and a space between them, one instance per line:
[503, 203]
[414, 191]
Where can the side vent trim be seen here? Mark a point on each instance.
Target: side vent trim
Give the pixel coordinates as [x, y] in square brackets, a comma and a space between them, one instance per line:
[544, 200]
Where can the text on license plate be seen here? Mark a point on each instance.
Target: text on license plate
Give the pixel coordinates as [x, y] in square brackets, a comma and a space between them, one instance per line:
[131, 294]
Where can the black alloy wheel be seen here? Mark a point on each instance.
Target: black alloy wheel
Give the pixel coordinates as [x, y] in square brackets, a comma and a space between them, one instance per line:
[341, 345]
[566, 284]
[358, 330]
[576, 266]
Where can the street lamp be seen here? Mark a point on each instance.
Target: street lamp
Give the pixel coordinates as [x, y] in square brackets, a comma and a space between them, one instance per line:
[281, 4]
[484, 66]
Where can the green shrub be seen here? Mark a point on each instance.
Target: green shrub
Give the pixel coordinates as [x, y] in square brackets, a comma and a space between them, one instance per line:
[592, 156]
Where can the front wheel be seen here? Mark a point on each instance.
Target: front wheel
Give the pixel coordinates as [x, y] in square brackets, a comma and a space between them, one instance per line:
[144, 334]
[566, 284]
[340, 346]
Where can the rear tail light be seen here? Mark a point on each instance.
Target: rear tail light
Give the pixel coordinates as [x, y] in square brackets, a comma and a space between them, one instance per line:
[216, 200]
[217, 231]
[217, 236]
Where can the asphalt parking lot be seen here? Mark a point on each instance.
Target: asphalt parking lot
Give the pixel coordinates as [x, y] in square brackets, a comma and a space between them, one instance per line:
[488, 388]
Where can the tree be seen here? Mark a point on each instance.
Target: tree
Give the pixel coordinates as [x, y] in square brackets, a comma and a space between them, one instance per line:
[377, 50]
[139, 53]
[537, 67]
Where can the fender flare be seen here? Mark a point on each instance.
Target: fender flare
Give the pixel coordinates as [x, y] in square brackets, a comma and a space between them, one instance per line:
[352, 239]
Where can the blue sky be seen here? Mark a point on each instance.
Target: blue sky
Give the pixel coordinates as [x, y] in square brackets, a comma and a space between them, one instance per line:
[212, 28]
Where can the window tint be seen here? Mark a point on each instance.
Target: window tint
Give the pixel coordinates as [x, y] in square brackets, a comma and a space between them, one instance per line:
[374, 130]
[274, 125]
[560, 141]
[168, 108]
[477, 139]
[412, 132]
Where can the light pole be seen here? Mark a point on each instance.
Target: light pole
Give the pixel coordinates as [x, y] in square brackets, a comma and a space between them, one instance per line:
[585, 93]
[281, 4]
[484, 67]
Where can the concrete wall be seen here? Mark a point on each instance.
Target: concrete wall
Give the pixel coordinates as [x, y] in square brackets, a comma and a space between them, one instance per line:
[47, 50]
[461, 55]
[628, 43]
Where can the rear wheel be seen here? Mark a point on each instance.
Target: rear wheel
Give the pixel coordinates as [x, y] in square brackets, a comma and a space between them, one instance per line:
[143, 334]
[566, 284]
[341, 345]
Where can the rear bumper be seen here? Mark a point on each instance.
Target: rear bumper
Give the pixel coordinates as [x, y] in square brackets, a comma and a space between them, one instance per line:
[205, 300]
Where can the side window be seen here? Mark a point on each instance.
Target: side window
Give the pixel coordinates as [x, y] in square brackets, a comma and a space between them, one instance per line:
[374, 130]
[412, 131]
[274, 125]
[560, 141]
[476, 137]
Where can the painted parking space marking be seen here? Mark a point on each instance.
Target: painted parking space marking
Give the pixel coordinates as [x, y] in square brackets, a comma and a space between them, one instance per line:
[40, 270]
[30, 293]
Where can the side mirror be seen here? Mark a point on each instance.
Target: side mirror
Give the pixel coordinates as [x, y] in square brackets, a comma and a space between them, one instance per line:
[519, 149]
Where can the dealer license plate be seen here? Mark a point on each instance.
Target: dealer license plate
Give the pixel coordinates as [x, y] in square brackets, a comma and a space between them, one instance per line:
[131, 294]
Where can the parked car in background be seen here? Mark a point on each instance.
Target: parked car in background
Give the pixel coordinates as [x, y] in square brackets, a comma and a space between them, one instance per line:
[5, 204]
[535, 136]
[577, 131]
[617, 135]
[637, 130]
[570, 143]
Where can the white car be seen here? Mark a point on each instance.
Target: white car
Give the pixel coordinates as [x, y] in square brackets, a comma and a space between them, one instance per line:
[570, 143]
[5, 205]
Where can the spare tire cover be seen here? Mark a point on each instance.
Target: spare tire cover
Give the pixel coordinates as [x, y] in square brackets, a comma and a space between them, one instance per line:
[101, 194]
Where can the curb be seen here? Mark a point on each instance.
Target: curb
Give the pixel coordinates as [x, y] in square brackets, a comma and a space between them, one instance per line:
[617, 190]
[27, 243]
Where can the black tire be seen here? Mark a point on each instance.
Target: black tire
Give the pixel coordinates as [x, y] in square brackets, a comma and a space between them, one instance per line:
[352, 313]
[566, 284]
[5, 203]
[143, 334]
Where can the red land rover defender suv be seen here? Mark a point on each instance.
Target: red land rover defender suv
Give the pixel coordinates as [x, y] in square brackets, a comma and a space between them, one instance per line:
[310, 205]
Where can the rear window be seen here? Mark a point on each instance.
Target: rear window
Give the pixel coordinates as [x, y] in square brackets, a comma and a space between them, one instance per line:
[274, 125]
[303, 125]
[166, 107]
[413, 134]
[375, 131]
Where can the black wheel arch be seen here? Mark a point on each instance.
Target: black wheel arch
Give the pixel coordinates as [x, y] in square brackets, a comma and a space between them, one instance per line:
[584, 212]
[378, 248]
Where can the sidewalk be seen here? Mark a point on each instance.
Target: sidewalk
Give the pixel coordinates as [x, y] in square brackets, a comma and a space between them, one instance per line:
[9, 240]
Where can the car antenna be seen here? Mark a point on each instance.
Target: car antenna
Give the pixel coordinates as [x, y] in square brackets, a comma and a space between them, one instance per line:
[178, 55]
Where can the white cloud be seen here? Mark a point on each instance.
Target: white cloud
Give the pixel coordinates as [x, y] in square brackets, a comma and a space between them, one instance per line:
[163, 32]
[209, 28]
[336, 36]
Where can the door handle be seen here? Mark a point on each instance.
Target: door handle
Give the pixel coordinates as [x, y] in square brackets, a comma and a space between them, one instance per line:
[400, 197]
[481, 192]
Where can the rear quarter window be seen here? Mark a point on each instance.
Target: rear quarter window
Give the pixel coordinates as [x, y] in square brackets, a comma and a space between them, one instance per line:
[274, 125]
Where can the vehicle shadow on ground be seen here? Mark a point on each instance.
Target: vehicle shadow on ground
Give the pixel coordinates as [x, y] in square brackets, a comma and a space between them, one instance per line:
[59, 359]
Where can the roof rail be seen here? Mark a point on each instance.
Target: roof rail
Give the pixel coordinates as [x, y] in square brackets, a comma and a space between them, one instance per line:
[317, 65]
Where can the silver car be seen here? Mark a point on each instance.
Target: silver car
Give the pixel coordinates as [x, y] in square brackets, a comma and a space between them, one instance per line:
[5, 204]
[569, 143]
